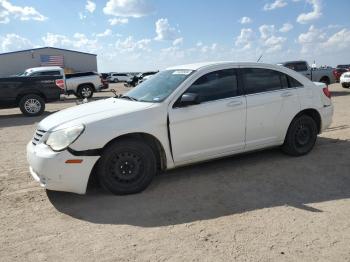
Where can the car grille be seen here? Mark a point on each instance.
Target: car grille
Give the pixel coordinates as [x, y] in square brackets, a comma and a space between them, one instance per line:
[38, 137]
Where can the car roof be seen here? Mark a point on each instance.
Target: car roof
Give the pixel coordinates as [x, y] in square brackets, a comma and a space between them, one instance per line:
[44, 68]
[198, 66]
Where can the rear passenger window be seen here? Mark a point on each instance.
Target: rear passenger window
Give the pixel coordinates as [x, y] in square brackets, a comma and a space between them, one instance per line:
[215, 85]
[257, 80]
[293, 82]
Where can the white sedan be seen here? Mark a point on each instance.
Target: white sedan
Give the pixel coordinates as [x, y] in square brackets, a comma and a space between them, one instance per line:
[345, 80]
[182, 115]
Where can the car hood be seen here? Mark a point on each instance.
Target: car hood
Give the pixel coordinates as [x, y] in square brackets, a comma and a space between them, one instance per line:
[91, 112]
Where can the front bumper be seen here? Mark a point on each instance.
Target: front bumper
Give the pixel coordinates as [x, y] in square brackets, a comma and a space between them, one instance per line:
[50, 169]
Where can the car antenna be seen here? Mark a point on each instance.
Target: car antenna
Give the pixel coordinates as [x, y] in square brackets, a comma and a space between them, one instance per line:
[259, 58]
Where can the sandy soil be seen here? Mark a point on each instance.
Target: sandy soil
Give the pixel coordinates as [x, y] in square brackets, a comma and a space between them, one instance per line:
[263, 206]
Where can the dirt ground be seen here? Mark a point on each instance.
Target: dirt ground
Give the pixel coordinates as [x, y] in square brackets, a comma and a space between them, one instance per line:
[263, 206]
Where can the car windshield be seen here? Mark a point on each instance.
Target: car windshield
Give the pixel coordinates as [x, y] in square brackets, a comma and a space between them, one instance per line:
[159, 87]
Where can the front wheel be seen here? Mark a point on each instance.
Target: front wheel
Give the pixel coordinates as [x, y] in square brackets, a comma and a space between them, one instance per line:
[85, 91]
[32, 105]
[345, 85]
[301, 136]
[127, 167]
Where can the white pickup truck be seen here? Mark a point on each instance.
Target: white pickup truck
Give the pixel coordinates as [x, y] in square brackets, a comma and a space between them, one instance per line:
[82, 85]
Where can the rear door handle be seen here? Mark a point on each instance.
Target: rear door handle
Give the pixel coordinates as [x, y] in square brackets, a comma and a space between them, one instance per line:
[286, 94]
[234, 103]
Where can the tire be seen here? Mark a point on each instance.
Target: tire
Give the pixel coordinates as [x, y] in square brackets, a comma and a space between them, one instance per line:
[85, 91]
[345, 86]
[127, 167]
[325, 80]
[301, 136]
[32, 105]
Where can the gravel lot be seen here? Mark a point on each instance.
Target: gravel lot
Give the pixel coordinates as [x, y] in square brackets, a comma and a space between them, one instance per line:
[263, 206]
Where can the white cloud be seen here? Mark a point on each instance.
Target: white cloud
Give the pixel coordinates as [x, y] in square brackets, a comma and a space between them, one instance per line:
[245, 20]
[286, 28]
[13, 42]
[245, 38]
[178, 41]
[311, 39]
[129, 45]
[338, 41]
[118, 21]
[128, 8]
[164, 31]
[275, 5]
[270, 42]
[23, 13]
[79, 41]
[90, 6]
[316, 13]
[266, 31]
[107, 32]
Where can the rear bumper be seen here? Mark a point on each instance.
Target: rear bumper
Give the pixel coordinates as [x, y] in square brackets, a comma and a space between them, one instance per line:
[50, 170]
[327, 116]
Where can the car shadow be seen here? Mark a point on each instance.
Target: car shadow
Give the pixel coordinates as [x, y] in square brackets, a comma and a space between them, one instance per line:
[340, 93]
[222, 187]
[21, 120]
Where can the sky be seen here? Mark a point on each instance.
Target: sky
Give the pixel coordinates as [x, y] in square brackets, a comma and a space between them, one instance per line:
[140, 35]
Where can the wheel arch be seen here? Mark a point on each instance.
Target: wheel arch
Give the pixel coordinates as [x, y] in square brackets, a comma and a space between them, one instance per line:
[150, 140]
[87, 84]
[29, 92]
[313, 113]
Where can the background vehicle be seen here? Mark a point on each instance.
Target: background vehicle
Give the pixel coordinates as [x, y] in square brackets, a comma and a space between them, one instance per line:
[340, 69]
[144, 74]
[119, 77]
[345, 80]
[82, 85]
[324, 75]
[180, 116]
[30, 93]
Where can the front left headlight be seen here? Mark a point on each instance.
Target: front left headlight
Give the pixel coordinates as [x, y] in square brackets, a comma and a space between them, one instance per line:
[61, 139]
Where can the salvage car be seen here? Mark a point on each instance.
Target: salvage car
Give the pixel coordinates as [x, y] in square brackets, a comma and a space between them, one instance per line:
[182, 115]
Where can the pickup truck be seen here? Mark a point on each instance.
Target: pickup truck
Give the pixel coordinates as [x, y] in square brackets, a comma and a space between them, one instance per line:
[324, 75]
[82, 85]
[30, 93]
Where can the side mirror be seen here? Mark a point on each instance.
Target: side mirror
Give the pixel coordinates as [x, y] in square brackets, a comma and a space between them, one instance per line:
[188, 99]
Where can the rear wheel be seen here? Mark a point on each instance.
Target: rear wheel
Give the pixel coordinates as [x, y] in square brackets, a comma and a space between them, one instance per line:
[32, 105]
[301, 136]
[325, 80]
[127, 167]
[85, 91]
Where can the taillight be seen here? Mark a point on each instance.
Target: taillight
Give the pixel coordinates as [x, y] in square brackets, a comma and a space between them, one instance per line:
[60, 83]
[326, 92]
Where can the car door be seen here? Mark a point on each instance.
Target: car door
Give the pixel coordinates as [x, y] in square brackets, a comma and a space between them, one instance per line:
[213, 127]
[272, 102]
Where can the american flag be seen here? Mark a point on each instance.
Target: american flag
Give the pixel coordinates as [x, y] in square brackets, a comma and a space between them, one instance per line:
[51, 60]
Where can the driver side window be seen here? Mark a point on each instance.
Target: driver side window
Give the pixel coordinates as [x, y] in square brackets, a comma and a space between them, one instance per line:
[215, 85]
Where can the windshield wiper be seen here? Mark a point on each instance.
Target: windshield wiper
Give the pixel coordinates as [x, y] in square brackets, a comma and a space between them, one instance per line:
[129, 98]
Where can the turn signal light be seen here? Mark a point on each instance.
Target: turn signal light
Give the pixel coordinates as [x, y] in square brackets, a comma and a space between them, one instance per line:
[74, 161]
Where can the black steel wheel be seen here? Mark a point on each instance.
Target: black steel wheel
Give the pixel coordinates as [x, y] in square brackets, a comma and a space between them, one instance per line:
[301, 136]
[127, 167]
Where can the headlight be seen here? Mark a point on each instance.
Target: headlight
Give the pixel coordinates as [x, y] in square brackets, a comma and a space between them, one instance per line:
[61, 139]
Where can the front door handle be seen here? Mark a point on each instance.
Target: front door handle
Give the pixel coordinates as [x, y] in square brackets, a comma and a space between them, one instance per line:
[286, 94]
[234, 103]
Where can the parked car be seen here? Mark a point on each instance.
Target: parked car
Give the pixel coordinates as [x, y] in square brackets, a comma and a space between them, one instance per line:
[143, 79]
[82, 85]
[119, 77]
[345, 80]
[30, 93]
[324, 75]
[340, 70]
[182, 115]
[144, 74]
